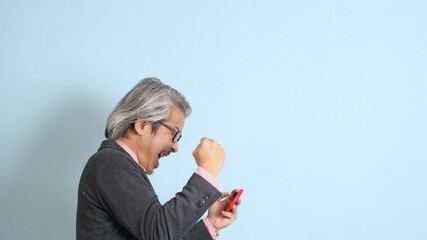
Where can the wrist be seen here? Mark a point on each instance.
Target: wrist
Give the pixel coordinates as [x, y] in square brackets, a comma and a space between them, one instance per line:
[209, 177]
[212, 230]
[211, 222]
[211, 171]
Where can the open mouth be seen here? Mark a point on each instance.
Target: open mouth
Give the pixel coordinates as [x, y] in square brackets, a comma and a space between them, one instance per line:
[164, 154]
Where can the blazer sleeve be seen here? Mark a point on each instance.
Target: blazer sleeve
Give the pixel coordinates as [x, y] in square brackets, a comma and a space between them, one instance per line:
[198, 232]
[128, 196]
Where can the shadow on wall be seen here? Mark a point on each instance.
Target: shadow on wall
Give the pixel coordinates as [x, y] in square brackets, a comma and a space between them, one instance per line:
[41, 198]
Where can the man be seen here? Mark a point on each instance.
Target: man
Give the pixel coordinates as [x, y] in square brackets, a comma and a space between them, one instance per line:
[116, 199]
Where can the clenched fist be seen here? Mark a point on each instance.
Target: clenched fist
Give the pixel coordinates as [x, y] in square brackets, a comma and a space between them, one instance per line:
[209, 155]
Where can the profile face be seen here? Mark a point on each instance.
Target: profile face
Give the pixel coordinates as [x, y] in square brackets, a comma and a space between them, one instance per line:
[155, 146]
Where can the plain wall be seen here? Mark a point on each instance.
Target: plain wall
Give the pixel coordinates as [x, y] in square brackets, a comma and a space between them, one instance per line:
[320, 105]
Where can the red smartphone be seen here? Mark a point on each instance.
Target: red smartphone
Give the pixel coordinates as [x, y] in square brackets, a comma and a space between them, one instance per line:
[234, 201]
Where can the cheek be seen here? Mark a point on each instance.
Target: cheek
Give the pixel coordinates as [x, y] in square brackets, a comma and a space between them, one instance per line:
[150, 148]
[163, 140]
[156, 146]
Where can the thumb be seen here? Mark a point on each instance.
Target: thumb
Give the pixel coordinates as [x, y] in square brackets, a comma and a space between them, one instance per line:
[223, 195]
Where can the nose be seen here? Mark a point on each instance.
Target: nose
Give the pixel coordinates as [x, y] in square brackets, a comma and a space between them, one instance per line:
[174, 147]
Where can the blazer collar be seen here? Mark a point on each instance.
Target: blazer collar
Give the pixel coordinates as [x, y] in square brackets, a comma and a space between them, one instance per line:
[113, 145]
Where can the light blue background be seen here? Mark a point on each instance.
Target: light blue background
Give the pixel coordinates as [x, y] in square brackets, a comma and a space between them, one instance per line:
[320, 105]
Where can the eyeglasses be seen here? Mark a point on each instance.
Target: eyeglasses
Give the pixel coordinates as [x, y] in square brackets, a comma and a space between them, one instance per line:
[178, 134]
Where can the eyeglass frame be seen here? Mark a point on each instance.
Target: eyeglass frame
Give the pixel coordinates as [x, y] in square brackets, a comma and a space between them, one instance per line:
[177, 133]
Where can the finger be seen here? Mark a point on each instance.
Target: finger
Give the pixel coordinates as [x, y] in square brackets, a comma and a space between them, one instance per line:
[238, 202]
[236, 190]
[230, 214]
[206, 139]
[196, 149]
[232, 195]
[223, 196]
[234, 209]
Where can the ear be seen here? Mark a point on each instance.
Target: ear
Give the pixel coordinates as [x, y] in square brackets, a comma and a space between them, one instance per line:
[140, 126]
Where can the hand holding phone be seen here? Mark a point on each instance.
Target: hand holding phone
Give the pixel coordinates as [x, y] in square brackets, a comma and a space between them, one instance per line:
[234, 201]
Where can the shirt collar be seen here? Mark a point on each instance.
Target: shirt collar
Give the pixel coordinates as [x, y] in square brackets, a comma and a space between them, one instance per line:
[130, 152]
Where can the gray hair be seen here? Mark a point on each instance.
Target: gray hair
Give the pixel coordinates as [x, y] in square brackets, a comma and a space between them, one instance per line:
[151, 100]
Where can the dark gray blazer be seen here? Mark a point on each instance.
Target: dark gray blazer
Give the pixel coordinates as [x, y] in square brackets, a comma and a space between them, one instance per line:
[117, 201]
